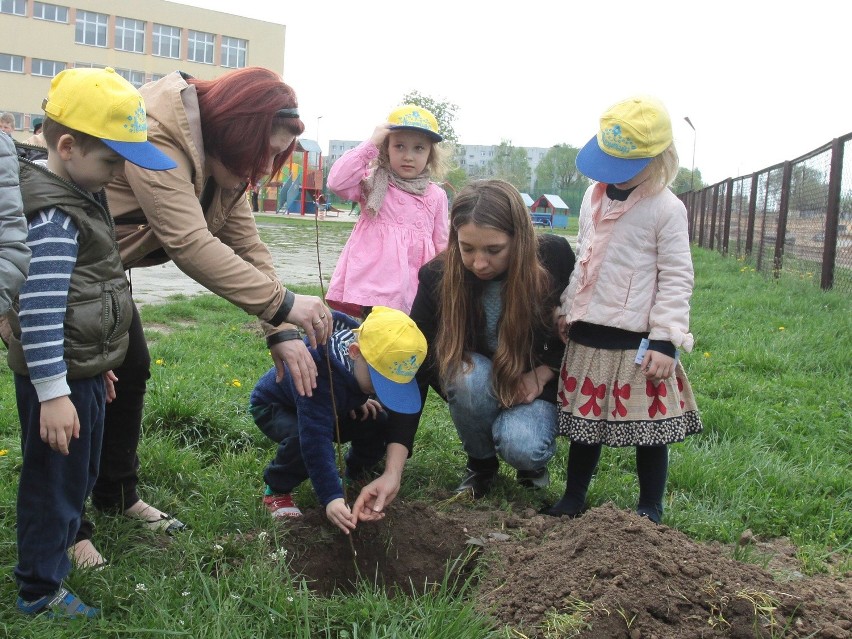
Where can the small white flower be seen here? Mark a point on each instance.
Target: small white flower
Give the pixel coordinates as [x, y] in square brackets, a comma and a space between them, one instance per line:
[262, 535]
[281, 553]
[180, 621]
[234, 596]
[185, 593]
[141, 588]
[290, 599]
[218, 548]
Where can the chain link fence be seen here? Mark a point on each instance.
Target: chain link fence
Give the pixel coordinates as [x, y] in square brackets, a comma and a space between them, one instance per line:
[793, 219]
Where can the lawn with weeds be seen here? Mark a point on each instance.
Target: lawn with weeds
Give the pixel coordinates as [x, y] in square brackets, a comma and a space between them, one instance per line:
[772, 377]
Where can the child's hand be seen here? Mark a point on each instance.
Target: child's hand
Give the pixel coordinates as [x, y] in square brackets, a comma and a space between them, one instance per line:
[380, 134]
[370, 409]
[339, 514]
[657, 366]
[109, 381]
[59, 423]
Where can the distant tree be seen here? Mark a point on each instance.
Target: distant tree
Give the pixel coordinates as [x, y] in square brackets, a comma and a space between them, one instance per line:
[684, 181]
[510, 163]
[455, 179]
[557, 172]
[444, 112]
[808, 188]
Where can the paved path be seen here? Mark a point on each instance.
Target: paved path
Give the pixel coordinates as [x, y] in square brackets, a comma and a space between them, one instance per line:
[296, 265]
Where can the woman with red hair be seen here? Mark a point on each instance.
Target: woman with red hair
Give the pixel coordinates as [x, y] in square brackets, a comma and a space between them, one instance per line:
[225, 135]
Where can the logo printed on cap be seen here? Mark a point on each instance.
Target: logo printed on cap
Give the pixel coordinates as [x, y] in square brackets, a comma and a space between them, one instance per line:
[405, 368]
[612, 139]
[138, 120]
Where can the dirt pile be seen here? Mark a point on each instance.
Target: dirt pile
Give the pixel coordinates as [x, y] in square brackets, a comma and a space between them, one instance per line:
[607, 574]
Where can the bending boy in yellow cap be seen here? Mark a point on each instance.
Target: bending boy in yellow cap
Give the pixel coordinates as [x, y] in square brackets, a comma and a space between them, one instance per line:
[70, 323]
[379, 358]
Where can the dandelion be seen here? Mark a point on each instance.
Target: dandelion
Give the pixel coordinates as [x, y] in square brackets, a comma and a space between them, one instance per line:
[141, 588]
[780, 328]
[706, 355]
[236, 383]
[160, 361]
[4, 452]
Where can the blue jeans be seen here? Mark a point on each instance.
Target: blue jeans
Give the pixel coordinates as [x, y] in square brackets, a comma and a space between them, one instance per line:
[523, 435]
[287, 470]
[53, 487]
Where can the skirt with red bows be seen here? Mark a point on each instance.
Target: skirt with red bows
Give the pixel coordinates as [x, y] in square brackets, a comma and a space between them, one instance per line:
[604, 398]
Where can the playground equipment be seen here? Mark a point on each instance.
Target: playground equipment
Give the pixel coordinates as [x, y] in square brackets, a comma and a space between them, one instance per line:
[299, 185]
[549, 210]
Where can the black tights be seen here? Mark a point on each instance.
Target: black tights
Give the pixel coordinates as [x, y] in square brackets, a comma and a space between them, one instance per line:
[652, 464]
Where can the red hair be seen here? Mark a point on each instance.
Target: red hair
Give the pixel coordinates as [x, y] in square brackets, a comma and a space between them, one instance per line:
[238, 118]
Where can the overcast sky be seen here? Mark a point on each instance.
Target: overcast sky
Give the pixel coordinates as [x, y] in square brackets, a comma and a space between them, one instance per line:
[761, 81]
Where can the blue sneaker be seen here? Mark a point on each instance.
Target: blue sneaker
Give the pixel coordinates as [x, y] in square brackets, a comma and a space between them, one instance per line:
[63, 605]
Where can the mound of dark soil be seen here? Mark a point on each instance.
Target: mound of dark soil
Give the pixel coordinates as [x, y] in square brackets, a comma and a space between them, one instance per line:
[607, 574]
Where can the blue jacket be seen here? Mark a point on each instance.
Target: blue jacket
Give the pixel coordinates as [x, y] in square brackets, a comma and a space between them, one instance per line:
[315, 414]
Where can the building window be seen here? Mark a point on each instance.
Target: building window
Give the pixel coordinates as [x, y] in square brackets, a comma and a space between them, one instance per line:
[91, 28]
[166, 41]
[51, 12]
[47, 68]
[200, 46]
[136, 78]
[11, 63]
[15, 7]
[234, 52]
[129, 35]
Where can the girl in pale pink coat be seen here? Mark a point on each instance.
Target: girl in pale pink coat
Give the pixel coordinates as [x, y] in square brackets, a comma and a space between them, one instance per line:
[625, 312]
[403, 222]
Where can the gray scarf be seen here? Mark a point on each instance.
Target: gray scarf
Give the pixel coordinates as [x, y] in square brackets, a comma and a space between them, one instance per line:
[376, 186]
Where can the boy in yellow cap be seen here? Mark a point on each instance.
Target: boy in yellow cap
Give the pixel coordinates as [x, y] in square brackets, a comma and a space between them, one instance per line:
[69, 326]
[379, 358]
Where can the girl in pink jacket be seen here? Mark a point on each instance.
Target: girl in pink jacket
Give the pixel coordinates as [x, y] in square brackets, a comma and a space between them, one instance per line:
[403, 222]
[625, 312]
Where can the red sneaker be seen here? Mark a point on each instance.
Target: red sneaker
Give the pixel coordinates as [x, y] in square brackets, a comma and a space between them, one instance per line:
[281, 506]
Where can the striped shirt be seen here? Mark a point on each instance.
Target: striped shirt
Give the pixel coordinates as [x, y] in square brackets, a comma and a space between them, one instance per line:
[52, 237]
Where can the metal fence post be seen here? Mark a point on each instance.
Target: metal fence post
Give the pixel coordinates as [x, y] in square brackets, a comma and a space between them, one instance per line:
[832, 217]
[781, 230]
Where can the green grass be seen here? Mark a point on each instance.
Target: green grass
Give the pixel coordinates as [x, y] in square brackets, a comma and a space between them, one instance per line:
[774, 458]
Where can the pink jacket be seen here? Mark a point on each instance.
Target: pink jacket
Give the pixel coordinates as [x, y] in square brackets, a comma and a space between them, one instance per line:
[634, 266]
[379, 264]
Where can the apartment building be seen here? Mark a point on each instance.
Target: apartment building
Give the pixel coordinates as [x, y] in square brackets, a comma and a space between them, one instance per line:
[143, 41]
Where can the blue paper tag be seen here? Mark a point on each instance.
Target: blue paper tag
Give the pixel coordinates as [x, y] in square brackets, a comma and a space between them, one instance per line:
[643, 348]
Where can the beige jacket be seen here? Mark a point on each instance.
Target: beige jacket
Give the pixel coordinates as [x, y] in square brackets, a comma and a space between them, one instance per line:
[160, 212]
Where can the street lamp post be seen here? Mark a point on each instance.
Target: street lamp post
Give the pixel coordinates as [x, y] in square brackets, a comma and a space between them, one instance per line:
[694, 136]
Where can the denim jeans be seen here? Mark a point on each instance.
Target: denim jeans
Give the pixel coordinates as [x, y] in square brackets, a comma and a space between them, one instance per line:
[523, 435]
[53, 486]
[287, 470]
